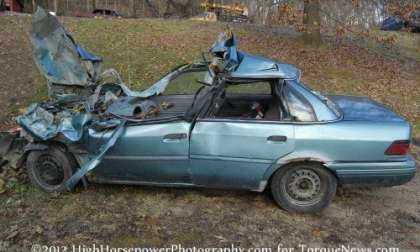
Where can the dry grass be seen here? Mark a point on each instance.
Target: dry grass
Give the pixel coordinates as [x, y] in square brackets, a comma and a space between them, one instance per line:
[144, 49]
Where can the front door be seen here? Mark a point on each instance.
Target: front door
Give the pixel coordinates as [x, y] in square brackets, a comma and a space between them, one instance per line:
[157, 152]
[153, 153]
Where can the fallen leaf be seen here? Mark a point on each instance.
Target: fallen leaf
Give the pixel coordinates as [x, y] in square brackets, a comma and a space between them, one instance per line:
[221, 238]
[12, 235]
[2, 186]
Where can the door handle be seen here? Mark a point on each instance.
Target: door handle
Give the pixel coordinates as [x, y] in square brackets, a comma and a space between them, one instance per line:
[277, 139]
[176, 137]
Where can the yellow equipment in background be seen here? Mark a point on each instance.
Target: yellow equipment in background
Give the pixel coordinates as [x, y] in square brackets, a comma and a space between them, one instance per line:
[232, 13]
[205, 16]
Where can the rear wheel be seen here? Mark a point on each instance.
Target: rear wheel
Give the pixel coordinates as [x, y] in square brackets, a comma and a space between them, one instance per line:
[49, 169]
[303, 187]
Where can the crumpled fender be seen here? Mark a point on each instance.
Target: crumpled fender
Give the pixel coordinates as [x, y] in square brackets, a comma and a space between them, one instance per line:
[35, 146]
[45, 146]
[92, 163]
[28, 148]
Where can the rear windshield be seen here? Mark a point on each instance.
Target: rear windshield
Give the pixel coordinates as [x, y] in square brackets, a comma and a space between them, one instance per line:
[330, 104]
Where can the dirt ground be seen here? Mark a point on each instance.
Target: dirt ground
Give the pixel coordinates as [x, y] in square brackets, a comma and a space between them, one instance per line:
[128, 216]
[125, 216]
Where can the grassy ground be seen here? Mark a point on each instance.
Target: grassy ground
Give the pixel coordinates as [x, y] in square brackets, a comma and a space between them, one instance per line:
[406, 42]
[144, 49]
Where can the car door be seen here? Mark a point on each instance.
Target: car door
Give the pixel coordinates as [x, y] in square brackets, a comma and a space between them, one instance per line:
[236, 152]
[155, 152]
[229, 153]
[150, 153]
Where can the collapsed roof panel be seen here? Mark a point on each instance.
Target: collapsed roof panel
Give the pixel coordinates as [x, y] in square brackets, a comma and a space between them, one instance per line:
[243, 65]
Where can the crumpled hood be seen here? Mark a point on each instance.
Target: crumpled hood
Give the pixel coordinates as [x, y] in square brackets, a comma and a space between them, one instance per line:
[57, 56]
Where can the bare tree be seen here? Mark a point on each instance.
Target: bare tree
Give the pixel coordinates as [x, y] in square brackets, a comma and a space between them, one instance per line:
[2, 5]
[132, 7]
[93, 5]
[182, 8]
[312, 22]
[56, 6]
[153, 8]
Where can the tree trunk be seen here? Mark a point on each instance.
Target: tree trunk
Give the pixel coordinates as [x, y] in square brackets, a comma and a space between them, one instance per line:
[56, 7]
[181, 9]
[2, 5]
[153, 9]
[88, 5]
[312, 22]
[132, 6]
[33, 6]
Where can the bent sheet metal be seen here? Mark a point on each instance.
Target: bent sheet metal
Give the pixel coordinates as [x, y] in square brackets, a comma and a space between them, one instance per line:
[92, 163]
[78, 100]
[83, 99]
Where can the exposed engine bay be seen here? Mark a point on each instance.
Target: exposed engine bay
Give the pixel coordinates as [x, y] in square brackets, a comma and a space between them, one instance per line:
[82, 97]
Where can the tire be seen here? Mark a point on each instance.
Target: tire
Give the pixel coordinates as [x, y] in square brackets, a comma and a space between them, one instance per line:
[303, 187]
[49, 169]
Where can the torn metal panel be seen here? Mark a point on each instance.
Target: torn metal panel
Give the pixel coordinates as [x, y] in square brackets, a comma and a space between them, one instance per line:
[132, 106]
[85, 55]
[243, 65]
[156, 89]
[6, 141]
[225, 47]
[92, 163]
[256, 67]
[45, 125]
[57, 56]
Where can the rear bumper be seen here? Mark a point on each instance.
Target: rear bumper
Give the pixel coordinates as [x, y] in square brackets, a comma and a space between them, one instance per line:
[375, 173]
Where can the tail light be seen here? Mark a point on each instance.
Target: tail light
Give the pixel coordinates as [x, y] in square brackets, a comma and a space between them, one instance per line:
[398, 148]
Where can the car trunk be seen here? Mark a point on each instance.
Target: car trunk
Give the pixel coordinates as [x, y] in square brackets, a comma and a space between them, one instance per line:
[364, 109]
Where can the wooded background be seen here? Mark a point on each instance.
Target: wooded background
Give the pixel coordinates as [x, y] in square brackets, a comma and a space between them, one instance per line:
[309, 16]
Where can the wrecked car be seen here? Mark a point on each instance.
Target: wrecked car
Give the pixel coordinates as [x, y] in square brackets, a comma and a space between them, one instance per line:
[243, 122]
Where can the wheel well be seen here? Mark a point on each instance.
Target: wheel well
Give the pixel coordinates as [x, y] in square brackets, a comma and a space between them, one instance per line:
[296, 162]
[44, 146]
[67, 150]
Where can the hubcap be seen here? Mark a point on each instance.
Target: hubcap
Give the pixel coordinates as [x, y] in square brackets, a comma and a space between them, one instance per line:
[49, 171]
[303, 185]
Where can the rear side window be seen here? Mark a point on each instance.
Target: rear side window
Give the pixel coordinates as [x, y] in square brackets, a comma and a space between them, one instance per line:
[299, 108]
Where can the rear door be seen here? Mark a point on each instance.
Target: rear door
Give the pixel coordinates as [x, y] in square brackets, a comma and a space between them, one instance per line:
[236, 152]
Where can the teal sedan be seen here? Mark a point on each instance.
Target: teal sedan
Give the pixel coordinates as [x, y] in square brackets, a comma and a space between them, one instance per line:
[261, 133]
[233, 121]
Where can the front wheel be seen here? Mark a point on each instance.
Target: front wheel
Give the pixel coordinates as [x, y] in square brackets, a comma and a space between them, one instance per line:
[49, 169]
[303, 187]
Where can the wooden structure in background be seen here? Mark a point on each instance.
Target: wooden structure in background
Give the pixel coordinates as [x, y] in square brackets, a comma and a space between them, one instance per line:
[226, 12]
[14, 5]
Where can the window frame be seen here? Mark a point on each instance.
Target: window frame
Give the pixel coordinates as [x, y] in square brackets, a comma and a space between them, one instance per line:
[193, 69]
[284, 88]
[275, 91]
